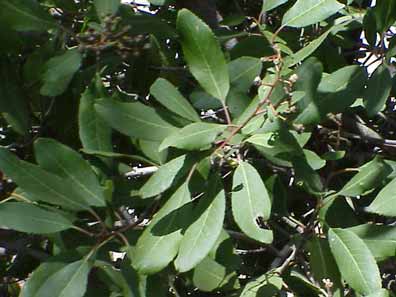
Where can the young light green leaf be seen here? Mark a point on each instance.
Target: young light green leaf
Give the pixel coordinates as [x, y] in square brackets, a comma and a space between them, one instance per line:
[172, 99]
[307, 12]
[69, 165]
[59, 72]
[159, 243]
[40, 184]
[134, 119]
[271, 4]
[25, 15]
[268, 285]
[196, 136]
[380, 239]
[166, 176]
[203, 54]
[378, 90]
[38, 278]
[94, 133]
[251, 203]
[106, 7]
[26, 217]
[355, 261]
[368, 177]
[202, 234]
[69, 281]
[384, 204]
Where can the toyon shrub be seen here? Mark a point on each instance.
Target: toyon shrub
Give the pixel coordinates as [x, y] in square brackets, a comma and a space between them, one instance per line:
[197, 148]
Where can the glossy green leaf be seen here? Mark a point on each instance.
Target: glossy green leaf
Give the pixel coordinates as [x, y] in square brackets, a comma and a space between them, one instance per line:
[94, 133]
[203, 54]
[196, 136]
[59, 72]
[268, 285]
[271, 4]
[307, 12]
[166, 176]
[378, 90]
[380, 239]
[201, 235]
[106, 7]
[26, 217]
[40, 184]
[71, 280]
[383, 204]
[172, 99]
[134, 119]
[159, 243]
[25, 15]
[251, 203]
[368, 177]
[355, 261]
[38, 278]
[69, 165]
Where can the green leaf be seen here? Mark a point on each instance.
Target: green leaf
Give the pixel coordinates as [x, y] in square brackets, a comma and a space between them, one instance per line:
[201, 235]
[370, 175]
[383, 204]
[307, 12]
[242, 72]
[94, 133]
[166, 176]
[271, 4]
[26, 217]
[106, 7]
[378, 90]
[70, 166]
[380, 239]
[208, 275]
[173, 100]
[38, 278]
[251, 203]
[59, 72]
[355, 261]
[134, 119]
[159, 243]
[336, 92]
[39, 184]
[268, 285]
[322, 262]
[114, 277]
[25, 15]
[196, 136]
[69, 281]
[380, 293]
[306, 51]
[314, 160]
[158, 2]
[203, 54]
[15, 111]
